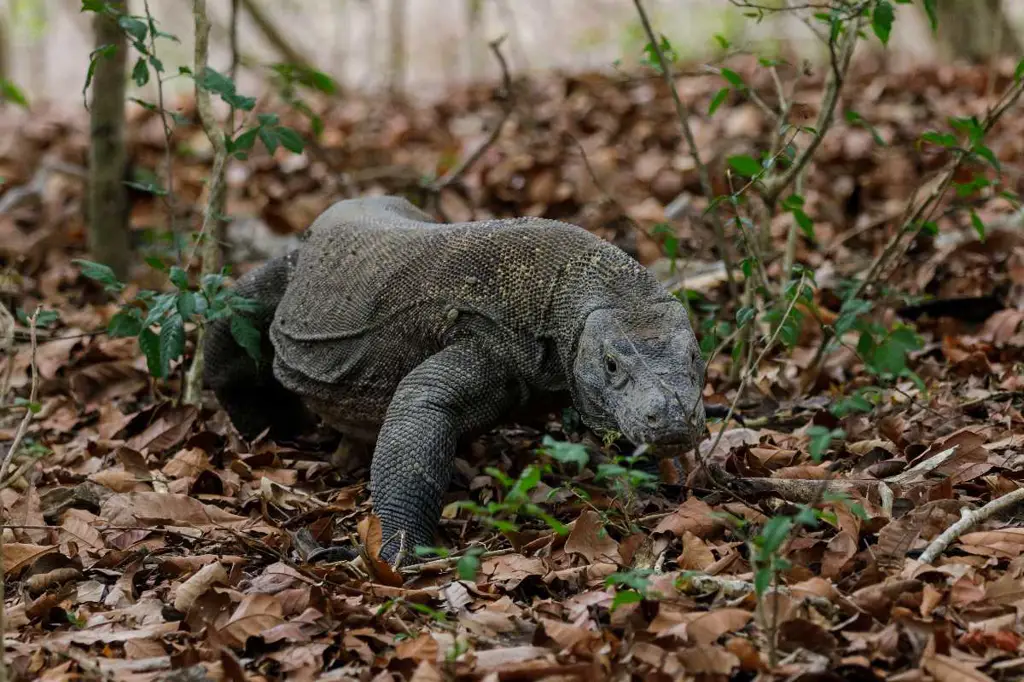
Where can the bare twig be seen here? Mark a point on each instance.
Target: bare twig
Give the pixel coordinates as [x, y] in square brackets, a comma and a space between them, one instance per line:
[702, 170]
[968, 520]
[747, 374]
[454, 174]
[7, 349]
[840, 62]
[168, 132]
[19, 435]
[918, 213]
[208, 237]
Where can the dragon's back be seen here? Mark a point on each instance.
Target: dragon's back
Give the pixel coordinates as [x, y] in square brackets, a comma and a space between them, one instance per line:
[378, 287]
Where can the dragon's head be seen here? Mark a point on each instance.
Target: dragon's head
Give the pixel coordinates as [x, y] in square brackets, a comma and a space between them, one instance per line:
[641, 373]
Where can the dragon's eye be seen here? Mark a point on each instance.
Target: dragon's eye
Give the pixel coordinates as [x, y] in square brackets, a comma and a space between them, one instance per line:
[610, 364]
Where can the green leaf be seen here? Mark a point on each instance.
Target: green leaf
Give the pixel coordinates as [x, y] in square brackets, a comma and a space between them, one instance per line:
[140, 72]
[526, 482]
[243, 142]
[941, 139]
[186, 304]
[933, 17]
[745, 165]
[804, 222]
[793, 201]
[624, 597]
[745, 315]
[269, 138]
[103, 51]
[979, 226]
[135, 28]
[270, 119]
[290, 139]
[566, 452]
[762, 580]
[10, 92]
[774, 534]
[848, 314]
[246, 335]
[987, 154]
[732, 77]
[881, 20]
[172, 341]
[722, 41]
[178, 277]
[126, 322]
[717, 100]
[150, 345]
[100, 273]
[821, 438]
[468, 566]
[1018, 73]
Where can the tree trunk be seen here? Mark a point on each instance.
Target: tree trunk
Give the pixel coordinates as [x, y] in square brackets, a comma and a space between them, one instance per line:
[397, 57]
[109, 240]
[974, 30]
[475, 39]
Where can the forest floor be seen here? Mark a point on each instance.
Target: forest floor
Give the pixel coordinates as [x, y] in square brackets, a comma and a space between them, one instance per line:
[146, 541]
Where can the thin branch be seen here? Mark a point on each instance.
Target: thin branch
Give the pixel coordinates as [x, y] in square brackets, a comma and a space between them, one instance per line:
[168, 133]
[915, 220]
[456, 173]
[702, 170]
[967, 522]
[215, 195]
[748, 373]
[774, 186]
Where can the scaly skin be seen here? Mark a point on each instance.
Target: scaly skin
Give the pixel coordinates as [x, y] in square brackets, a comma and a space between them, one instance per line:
[412, 336]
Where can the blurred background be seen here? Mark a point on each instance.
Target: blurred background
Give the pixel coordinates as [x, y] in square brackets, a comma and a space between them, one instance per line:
[420, 47]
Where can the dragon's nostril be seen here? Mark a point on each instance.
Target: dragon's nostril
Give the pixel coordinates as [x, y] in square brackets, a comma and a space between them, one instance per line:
[653, 419]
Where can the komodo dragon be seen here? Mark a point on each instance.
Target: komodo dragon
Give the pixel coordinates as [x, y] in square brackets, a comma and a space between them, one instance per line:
[411, 335]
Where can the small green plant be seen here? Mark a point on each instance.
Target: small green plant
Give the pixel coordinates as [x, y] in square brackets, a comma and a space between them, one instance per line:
[504, 515]
[158, 319]
[630, 586]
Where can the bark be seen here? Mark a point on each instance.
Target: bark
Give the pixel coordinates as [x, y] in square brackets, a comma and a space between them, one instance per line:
[475, 38]
[397, 56]
[975, 30]
[108, 237]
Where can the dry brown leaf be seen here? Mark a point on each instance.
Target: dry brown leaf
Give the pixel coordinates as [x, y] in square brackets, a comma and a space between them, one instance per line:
[590, 538]
[948, 669]
[696, 556]
[189, 591]
[1007, 543]
[17, 555]
[255, 614]
[693, 515]
[706, 628]
[708, 660]
[170, 509]
[423, 649]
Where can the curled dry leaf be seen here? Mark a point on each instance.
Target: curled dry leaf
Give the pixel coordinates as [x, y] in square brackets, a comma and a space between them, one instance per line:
[189, 591]
[17, 555]
[256, 614]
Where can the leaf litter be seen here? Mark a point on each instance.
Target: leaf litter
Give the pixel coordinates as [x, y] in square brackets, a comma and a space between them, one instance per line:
[146, 540]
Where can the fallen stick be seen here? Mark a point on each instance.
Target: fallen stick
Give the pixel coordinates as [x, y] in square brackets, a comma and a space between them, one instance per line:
[968, 520]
